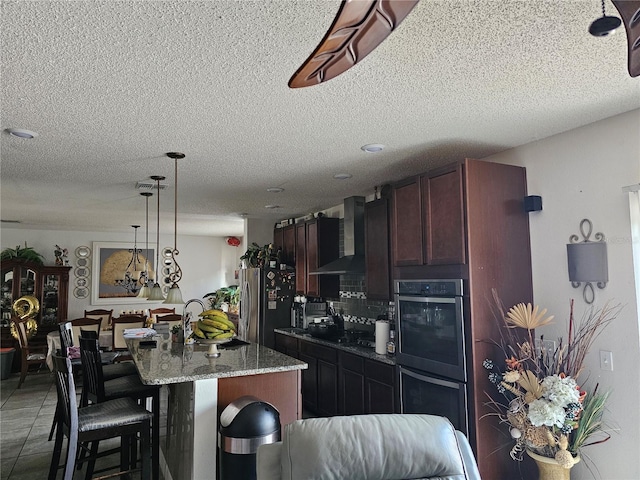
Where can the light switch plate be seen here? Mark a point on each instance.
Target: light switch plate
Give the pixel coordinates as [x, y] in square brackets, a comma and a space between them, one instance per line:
[606, 360]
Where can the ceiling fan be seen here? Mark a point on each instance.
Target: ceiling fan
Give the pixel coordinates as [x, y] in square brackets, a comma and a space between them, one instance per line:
[361, 25]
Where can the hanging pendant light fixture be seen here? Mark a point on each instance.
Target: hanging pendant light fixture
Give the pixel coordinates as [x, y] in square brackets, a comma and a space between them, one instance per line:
[129, 277]
[605, 25]
[145, 279]
[174, 296]
[156, 291]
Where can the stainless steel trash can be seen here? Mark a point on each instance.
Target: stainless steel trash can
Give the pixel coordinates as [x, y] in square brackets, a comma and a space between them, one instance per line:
[245, 424]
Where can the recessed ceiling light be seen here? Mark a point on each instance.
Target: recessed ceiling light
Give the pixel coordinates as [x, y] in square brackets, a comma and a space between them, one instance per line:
[372, 147]
[275, 189]
[21, 133]
[342, 176]
[272, 206]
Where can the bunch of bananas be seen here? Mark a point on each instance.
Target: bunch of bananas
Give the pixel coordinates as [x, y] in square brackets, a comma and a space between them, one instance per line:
[214, 324]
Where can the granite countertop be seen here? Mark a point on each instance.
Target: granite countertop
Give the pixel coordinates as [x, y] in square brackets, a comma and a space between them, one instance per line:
[172, 362]
[346, 347]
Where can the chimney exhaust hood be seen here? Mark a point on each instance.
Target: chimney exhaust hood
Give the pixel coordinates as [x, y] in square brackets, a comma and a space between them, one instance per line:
[353, 260]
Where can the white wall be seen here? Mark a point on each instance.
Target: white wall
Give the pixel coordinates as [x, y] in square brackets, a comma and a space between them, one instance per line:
[580, 174]
[207, 263]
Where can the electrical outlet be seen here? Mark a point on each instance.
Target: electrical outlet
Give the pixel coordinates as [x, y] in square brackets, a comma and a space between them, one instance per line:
[606, 360]
[546, 347]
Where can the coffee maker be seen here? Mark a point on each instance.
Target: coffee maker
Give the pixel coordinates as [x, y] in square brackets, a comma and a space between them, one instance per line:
[298, 311]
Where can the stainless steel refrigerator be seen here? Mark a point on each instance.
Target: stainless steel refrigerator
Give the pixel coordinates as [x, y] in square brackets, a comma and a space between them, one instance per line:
[266, 297]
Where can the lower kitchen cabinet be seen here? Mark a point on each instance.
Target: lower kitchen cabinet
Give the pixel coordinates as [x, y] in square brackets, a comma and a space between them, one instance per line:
[320, 380]
[339, 382]
[380, 387]
[352, 384]
[366, 386]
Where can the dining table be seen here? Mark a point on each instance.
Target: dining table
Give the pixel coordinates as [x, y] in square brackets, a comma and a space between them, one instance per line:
[53, 344]
[200, 384]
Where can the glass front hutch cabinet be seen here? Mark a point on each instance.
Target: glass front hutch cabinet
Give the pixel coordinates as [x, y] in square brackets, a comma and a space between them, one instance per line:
[49, 284]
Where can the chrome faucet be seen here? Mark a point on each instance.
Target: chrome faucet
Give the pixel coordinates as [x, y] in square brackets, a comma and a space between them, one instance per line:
[186, 317]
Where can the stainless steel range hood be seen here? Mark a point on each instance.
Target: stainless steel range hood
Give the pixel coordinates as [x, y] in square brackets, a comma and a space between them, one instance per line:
[353, 260]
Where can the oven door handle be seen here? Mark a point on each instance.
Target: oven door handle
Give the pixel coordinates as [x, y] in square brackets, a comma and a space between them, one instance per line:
[423, 378]
[401, 298]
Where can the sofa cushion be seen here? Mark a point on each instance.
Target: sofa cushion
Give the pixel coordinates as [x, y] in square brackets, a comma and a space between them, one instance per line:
[371, 447]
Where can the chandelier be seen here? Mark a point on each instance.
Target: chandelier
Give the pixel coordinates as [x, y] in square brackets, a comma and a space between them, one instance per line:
[133, 275]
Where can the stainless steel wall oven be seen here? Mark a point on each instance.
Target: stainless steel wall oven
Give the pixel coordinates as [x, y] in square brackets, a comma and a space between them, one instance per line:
[431, 348]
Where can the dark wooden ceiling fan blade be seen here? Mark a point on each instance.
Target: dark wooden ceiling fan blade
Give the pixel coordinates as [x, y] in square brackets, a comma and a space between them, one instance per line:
[359, 27]
[629, 10]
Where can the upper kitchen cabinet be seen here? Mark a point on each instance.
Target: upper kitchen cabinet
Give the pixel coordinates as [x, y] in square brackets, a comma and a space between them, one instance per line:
[285, 239]
[443, 216]
[407, 223]
[428, 219]
[377, 250]
[316, 244]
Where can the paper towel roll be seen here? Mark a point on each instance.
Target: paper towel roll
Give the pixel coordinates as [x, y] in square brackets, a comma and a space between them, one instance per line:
[382, 336]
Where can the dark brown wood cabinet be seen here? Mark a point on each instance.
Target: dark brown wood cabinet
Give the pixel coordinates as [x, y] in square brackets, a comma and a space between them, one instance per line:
[341, 383]
[352, 384]
[406, 228]
[317, 243]
[473, 226]
[443, 216]
[366, 386]
[428, 219]
[301, 257]
[49, 284]
[285, 239]
[320, 380]
[380, 387]
[377, 250]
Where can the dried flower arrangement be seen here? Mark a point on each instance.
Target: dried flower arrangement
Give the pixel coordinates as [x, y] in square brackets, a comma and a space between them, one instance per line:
[547, 411]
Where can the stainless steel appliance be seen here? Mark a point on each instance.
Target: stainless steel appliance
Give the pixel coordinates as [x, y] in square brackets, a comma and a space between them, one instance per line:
[313, 311]
[266, 297]
[430, 323]
[431, 348]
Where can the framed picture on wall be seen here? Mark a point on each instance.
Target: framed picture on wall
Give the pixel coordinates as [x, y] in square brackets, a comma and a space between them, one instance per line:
[116, 272]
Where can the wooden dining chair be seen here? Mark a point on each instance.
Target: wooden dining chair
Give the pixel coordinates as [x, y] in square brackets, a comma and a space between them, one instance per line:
[171, 319]
[84, 323]
[121, 417]
[118, 326]
[155, 312]
[105, 317]
[31, 354]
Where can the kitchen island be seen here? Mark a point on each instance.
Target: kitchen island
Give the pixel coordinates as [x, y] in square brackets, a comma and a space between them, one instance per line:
[199, 388]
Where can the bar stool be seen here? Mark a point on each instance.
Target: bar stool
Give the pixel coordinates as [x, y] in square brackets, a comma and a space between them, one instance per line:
[99, 390]
[110, 370]
[115, 418]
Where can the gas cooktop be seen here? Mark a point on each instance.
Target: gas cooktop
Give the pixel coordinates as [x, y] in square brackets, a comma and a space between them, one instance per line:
[357, 337]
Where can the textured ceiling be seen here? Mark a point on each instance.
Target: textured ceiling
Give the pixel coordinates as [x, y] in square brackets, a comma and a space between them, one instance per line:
[111, 86]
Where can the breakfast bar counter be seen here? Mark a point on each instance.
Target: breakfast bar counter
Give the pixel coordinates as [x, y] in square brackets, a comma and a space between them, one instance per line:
[200, 387]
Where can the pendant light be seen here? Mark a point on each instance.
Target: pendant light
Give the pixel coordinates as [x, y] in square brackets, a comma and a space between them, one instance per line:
[156, 291]
[174, 295]
[605, 25]
[145, 279]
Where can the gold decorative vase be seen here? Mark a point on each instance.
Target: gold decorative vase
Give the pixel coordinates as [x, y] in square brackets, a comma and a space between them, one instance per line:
[550, 469]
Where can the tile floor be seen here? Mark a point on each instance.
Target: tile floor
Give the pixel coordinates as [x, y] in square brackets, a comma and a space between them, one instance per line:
[25, 420]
